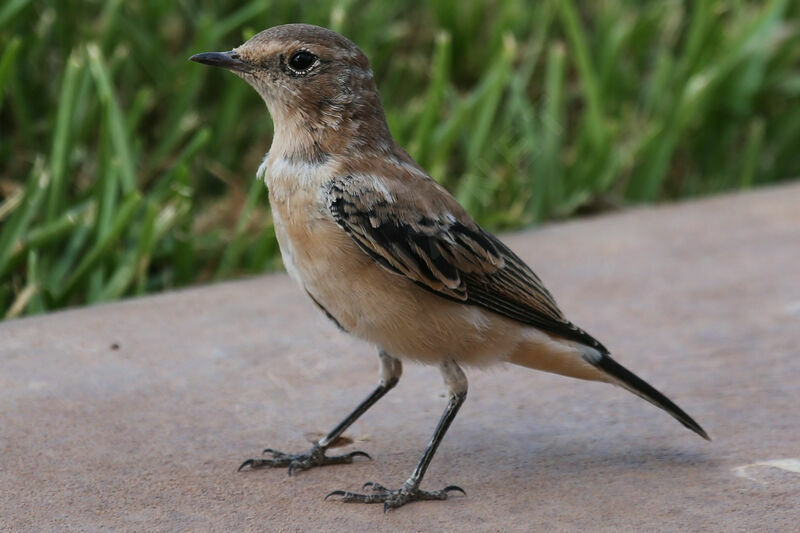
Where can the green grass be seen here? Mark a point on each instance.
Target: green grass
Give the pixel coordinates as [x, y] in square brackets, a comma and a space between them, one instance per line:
[126, 169]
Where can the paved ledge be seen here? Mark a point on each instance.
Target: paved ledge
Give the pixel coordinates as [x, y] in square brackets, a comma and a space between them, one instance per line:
[134, 416]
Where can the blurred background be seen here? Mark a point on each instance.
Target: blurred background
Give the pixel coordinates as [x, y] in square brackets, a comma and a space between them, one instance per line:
[125, 169]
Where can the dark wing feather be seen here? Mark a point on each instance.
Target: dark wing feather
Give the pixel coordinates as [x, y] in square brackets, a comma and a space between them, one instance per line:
[517, 292]
[450, 256]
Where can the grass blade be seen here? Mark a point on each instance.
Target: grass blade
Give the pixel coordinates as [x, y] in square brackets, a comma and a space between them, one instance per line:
[95, 253]
[7, 63]
[114, 121]
[12, 232]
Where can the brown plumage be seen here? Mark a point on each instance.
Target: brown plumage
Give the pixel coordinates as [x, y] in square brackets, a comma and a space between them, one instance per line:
[387, 252]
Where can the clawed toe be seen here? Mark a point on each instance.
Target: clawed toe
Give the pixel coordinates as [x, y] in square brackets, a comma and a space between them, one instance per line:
[359, 453]
[393, 499]
[335, 493]
[275, 453]
[454, 488]
[245, 464]
[299, 462]
[374, 487]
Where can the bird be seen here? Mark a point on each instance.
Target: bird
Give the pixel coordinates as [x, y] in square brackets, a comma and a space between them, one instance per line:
[388, 254]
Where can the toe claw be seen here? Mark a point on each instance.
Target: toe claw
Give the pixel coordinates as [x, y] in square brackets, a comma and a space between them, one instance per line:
[334, 493]
[359, 453]
[268, 450]
[454, 488]
[374, 487]
[249, 462]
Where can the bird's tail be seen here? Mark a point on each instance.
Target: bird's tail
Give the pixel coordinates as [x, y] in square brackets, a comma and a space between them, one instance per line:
[630, 381]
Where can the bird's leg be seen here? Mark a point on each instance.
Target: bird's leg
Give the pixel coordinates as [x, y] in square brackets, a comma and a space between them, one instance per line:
[390, 372]
[410, 492]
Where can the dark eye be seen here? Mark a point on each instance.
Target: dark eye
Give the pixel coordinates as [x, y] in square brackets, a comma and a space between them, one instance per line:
[302, 61]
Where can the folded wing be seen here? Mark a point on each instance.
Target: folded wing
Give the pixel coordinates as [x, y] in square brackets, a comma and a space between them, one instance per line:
[440, 248]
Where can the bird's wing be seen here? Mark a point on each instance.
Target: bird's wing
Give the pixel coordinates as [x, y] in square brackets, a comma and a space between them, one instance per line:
[427, 236]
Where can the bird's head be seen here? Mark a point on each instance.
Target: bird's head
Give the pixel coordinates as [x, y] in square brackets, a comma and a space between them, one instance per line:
[313, 80]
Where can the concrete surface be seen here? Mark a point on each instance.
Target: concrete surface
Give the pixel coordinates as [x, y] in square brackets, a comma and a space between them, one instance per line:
[134, 416]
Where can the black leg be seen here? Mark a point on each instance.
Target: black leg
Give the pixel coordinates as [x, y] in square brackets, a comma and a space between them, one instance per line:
[457, 384]
[391, 369]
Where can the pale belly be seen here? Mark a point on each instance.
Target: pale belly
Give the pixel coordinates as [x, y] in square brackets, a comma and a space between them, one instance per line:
[379, 306]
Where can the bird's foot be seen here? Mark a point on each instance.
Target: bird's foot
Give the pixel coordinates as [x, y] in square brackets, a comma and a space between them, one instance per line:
[393, 499]
[300, 461]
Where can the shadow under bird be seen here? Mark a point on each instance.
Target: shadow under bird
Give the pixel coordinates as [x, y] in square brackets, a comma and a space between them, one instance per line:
[388, 254]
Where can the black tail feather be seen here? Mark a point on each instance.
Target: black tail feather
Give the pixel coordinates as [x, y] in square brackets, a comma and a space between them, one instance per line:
[639, 387]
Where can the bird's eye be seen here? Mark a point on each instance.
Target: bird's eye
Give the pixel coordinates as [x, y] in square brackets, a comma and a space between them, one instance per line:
[302, 61]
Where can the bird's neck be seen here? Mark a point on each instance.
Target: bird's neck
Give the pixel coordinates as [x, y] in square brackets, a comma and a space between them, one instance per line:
[321, 130]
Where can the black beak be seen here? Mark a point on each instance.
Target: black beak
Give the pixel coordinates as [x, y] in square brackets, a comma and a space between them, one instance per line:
[229, 60]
